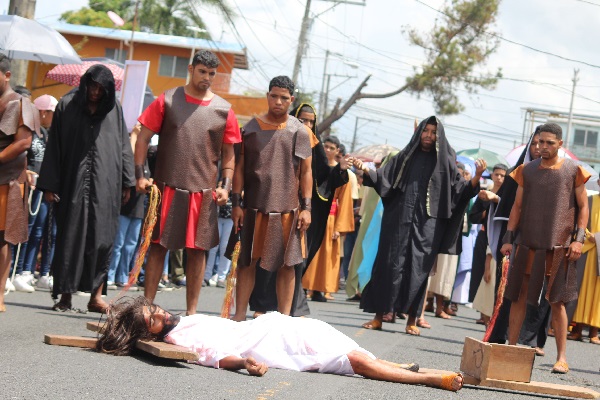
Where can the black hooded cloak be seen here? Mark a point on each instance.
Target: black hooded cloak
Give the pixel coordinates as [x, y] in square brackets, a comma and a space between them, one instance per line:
[424, 199]
[326, 180]
[88, 161]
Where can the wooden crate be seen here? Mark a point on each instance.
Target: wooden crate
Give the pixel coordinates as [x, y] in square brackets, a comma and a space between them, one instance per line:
[483, 361]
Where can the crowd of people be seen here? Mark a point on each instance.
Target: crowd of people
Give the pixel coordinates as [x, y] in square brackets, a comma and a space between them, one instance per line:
[415, 231]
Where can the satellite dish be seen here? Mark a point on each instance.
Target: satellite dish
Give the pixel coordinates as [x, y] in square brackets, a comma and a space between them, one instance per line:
[118, 21]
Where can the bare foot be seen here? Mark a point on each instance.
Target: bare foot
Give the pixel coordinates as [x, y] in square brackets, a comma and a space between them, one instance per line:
[453, 382]
[257, 314]
[238, 318]
[457, 383]
[2, 307]
[98, 306]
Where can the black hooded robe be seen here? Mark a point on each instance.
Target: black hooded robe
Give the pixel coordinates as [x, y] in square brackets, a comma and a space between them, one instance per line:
[326, 179]
[88, 161]
[497, 223]
[424, 199]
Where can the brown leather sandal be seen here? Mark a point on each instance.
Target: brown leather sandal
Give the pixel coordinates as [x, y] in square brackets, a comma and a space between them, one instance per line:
[413, 330]
[560, 367]
[422, 323]
[373, 324]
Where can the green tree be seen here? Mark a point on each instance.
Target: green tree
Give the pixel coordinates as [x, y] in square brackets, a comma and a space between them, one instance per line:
[169, 17]
[457, 45]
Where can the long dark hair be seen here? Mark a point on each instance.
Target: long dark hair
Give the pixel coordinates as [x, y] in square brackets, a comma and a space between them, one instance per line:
[125, 325]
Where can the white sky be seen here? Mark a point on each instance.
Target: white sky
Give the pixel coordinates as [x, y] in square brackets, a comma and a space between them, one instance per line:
[372, 37]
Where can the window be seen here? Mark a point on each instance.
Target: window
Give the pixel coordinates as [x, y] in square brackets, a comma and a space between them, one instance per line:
[579, 138]
[113, 54]
[585, 138]
[592, 139]
[173, 66]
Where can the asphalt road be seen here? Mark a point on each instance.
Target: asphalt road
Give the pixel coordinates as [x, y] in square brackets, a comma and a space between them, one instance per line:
[31, 369]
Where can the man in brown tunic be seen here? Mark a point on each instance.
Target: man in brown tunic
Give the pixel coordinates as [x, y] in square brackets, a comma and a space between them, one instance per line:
[275, 163]
[18, 119]
[551, 213]
[197, 129]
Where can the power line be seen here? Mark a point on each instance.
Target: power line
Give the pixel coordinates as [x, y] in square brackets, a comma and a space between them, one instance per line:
[589, 2]
[512, 41]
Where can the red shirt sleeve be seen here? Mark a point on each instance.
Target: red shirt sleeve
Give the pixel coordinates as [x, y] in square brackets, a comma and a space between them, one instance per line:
[152, 117]
[232, 133]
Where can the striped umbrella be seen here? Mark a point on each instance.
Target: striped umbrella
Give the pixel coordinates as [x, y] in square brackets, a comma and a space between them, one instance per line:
[70, 74]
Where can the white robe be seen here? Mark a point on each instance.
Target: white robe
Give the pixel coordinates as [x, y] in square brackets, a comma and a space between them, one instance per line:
[280, 341]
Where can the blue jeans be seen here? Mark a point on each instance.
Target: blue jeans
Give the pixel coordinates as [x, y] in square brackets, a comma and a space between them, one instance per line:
[124, 248]
[38, 231]
[225, 226]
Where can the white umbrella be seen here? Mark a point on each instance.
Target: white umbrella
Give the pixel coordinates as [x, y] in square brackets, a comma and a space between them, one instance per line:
[26, 39]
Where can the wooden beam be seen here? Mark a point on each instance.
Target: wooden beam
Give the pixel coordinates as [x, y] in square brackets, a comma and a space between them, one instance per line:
[552, 389]
[72, 341]
[95, 326]
[158, 349]
[167, 350]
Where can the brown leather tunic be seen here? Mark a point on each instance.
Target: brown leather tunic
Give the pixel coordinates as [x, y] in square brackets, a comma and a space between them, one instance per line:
[15, 111]
[272, 160]
[190, 142]
[547, 223]
[187, 160]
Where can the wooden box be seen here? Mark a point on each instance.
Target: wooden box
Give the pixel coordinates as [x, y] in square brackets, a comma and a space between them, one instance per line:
[483, 361]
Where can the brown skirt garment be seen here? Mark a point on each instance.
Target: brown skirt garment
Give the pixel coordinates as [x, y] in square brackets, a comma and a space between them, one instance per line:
[542, 266]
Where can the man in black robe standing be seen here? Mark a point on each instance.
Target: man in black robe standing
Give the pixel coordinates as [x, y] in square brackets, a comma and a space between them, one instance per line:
[424, 198]
[87, 172]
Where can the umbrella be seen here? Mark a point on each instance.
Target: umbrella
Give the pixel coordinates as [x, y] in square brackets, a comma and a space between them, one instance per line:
[513, 156]
[70, 74]
[490, 157]
[467, 160]
[26, 39]
[376, 152]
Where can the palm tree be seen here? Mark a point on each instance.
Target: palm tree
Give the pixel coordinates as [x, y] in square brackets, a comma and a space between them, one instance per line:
[172, 16]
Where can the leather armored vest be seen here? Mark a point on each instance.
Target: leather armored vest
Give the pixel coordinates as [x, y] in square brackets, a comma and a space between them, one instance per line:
[12, 111]
[190, 142]
[548, 209]
[272, 165]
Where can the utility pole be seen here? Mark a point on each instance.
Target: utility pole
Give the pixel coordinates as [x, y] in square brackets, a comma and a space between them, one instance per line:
[353, 145]
[135, 17]
[18, 68]
[306, 21]
[569, 123]
[322, 95]
[301, 41]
